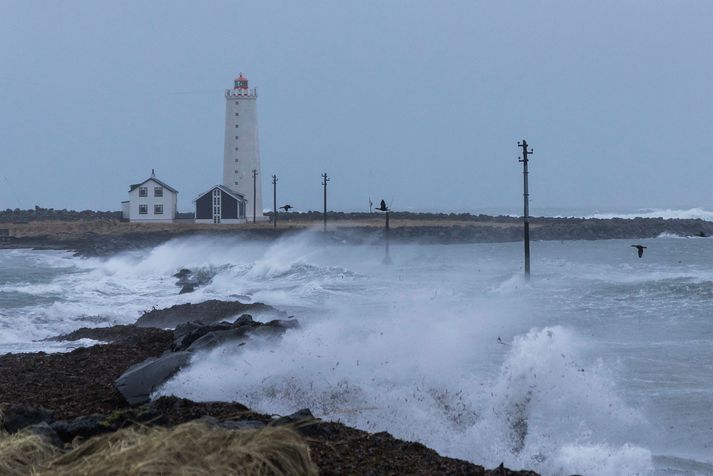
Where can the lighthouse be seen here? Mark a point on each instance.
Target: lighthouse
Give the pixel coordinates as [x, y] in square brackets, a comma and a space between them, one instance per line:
[241, 159]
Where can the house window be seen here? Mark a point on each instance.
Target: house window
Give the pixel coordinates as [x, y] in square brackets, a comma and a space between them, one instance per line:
[242, 209]
[158, 209]
[236, 137]
[237, 114]
[158, 191]
[236, 103]
[143, 209]
[236, 126]
[143, 191]
[236, 148]
[236, 170]
[236, 183]
[236, 160]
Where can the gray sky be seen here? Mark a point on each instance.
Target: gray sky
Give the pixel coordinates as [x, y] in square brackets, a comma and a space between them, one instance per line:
[421, 102]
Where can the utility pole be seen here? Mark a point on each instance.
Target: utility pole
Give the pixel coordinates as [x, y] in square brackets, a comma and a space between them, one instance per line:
[387, 256]
[254, 194]
[526, 198]
[274, 201]
[325, 179]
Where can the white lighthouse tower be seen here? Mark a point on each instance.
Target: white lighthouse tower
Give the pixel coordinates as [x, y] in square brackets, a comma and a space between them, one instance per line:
[242, 150]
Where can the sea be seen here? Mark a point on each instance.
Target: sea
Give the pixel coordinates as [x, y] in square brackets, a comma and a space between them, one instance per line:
[600, 364]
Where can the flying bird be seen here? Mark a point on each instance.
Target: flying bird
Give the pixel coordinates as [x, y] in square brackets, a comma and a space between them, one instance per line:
[382, 207]
[640, 249]
[286, 207]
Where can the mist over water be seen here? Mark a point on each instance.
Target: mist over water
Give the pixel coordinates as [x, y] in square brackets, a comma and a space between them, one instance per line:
[602, 364]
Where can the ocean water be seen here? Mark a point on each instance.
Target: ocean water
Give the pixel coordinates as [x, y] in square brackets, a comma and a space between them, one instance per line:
[601, 364]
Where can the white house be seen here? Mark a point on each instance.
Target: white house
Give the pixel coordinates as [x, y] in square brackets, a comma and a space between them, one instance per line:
[151, 201]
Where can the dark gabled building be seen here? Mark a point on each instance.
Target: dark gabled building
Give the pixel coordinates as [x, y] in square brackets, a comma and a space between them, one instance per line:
[220, 205]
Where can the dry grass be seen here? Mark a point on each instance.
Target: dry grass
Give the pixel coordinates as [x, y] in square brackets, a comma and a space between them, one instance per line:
[22, 452]
[72, 230]
[190, 449]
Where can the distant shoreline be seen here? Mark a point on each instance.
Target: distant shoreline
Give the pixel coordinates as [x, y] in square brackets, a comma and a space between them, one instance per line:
[102, 233]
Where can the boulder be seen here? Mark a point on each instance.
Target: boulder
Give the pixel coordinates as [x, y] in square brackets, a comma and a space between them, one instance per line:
[84, 426]
[16, 417]
[185, 334]
[187, 288]
[195, 336]
[46, 433]
[137, 383]
[189, 280]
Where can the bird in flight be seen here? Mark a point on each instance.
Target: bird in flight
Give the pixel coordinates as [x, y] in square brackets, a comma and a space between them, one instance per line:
[640, 249]
[382, 207]
[286, 207]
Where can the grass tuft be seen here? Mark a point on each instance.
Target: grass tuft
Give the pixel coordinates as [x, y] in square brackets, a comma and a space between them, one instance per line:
[190, 449]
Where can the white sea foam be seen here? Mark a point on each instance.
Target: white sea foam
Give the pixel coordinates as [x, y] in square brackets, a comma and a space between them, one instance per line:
[603, 460]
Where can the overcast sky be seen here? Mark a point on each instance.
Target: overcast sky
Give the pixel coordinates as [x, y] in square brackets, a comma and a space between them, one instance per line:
[419, 102]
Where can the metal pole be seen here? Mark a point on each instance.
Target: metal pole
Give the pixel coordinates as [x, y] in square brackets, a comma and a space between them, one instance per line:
[324, 182]
[254, 193]
[274, 201]
[387, 257]
[526, 199]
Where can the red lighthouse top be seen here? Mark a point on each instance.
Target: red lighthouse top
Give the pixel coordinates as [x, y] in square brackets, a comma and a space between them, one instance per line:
[241, 82]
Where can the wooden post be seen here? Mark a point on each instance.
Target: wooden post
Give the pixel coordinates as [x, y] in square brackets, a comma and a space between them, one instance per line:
[254, 194]
[387, 256]
[274, 201]
[324, 183]
[526, 199]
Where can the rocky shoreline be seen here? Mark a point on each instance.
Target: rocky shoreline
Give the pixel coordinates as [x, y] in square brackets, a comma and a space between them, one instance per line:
[66, 399]
[108, 235]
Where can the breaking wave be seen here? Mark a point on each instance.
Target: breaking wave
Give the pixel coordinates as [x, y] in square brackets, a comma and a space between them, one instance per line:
[691, 213]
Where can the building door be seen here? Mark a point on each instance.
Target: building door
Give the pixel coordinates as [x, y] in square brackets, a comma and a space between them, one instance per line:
[216, 206]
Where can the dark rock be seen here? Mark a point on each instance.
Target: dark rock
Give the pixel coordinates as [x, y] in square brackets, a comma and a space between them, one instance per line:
[137, 383]
[180, 410]
[194, 336]
[119, 333]
[503, 471]
[207, 312]
[283, 324]
[244, 320]
[232, 424]
[187, 288]
[183, 273]
[300, 416]
[84, 427]
[46, 433]
[214, 339]
[189, 280]
[186, 334]
[16, 417]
